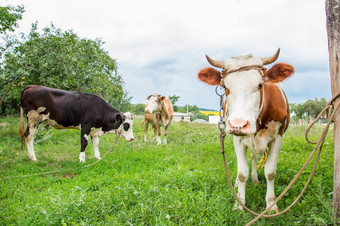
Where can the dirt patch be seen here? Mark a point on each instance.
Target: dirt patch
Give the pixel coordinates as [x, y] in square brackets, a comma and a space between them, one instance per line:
[4, 124]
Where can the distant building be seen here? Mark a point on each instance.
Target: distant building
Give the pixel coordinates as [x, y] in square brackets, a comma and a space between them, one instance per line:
[178, 116]
[214, 119]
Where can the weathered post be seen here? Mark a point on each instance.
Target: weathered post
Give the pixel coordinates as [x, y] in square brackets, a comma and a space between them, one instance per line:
[333, 31]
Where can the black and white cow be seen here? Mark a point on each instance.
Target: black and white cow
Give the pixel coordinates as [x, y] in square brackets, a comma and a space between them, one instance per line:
[71, 110]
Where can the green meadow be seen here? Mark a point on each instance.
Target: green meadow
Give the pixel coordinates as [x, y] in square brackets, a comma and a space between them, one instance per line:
[182, 183]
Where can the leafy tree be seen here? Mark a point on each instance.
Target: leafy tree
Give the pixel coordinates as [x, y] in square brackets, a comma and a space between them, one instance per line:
[314, 107]
[138, 109]
[62, 60]
[173, 100]
[9, 17]
[309, 109]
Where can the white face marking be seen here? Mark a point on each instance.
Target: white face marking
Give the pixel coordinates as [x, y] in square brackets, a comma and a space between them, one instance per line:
[154, 104]
[125, 128]
[243, 102]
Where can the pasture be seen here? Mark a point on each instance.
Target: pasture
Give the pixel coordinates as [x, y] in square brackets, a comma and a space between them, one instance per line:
[182, 183]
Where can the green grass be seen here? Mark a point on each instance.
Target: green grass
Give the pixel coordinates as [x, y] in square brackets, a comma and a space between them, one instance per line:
[182, 183]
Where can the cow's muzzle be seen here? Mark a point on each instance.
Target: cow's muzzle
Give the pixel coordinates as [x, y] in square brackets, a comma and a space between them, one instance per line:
[238, 127]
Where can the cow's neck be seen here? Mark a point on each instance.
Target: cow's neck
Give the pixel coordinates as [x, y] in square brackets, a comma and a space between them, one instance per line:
[273, 97]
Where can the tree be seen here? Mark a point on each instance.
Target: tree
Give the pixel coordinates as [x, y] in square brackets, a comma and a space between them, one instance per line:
[9, 17]
[138, 109]
[333, 31]
[62, 60]
[173, 100]
[314, 107]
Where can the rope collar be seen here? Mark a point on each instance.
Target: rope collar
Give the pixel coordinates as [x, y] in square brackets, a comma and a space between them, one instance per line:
[225, 72]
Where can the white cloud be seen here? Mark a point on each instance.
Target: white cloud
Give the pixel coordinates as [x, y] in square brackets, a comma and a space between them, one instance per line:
[160, 45]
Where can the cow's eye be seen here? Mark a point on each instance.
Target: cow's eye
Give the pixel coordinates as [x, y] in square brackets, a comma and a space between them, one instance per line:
[260, 86]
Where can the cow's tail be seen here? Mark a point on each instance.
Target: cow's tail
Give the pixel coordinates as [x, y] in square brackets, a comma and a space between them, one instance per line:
[21, 128]
[142, 123]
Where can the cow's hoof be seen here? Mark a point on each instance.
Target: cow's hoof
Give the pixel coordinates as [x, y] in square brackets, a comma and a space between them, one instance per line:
[274, 210]
[33, 159]
[238, 207]
[256, 182]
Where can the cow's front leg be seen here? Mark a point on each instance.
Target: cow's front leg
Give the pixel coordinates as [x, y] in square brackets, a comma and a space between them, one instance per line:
[242, 170]
[85, 134]
[95, 142]
[270, 170]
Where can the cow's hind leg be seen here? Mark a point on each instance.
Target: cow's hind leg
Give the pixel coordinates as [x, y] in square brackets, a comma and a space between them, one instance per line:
[254, 176]
[95, 142]
[166, 134]
[33, 122]
[146, 126]
[85, 134]
[30, 133]
[270, 170]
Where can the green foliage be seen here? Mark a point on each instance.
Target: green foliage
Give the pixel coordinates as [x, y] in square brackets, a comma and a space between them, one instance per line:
[137, 109]
[182, 183]
[308, 110]
[173, 100]
[62, 60]
[9, 16]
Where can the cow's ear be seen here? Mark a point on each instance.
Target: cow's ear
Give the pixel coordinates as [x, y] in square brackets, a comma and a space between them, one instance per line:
[279, 72]
[148, 97]
[119, 118]
[210, 76]
[163, 97]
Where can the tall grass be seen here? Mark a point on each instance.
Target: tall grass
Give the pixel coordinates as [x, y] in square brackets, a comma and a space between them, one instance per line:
[182, 183]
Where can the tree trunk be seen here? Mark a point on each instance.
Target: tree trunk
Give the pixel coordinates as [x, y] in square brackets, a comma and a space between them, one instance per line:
[333, 31]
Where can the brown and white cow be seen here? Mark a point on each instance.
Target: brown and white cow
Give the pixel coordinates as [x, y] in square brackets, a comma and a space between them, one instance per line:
[159, 113]
[256, 112]
[71, 110]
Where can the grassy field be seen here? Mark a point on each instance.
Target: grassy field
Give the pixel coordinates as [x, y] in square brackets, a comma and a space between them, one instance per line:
[182, 183]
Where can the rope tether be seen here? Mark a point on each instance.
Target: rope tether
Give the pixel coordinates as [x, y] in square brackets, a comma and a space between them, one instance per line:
[318, 143]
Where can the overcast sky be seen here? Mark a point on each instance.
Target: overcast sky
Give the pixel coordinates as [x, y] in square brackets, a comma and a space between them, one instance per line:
[160, 45]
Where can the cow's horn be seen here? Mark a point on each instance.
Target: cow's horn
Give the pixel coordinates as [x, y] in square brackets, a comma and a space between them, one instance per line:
[269, 60]
[215, 63]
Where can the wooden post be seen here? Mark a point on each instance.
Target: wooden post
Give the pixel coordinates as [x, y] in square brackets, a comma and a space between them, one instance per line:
[333, 31]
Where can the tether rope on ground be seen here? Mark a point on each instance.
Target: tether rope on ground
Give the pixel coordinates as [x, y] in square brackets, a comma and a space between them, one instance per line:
[319, 144]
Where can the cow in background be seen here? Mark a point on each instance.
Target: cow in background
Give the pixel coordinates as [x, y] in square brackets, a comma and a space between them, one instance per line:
[71, 110]
[256, 112]
[159, 113]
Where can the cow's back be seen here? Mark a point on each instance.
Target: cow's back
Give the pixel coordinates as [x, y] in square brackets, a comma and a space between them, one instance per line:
[65, 107]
